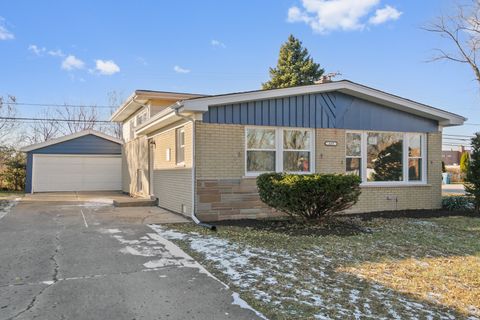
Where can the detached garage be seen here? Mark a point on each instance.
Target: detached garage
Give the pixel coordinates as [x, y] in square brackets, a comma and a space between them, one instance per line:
[83, 161]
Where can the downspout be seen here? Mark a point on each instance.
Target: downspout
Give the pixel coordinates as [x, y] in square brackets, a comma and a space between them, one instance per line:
[194, 216]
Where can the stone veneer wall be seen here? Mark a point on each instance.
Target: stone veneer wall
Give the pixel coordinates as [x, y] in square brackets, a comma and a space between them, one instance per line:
[223, 191]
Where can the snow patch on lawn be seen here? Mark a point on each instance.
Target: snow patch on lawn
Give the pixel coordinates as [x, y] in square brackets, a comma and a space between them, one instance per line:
[282, 280]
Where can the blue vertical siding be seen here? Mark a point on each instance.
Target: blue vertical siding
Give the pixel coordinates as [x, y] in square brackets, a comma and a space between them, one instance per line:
[88, 145]
[320, 110]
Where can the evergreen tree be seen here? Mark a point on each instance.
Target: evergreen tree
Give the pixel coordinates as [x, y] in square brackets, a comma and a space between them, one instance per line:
[295, 67]
[472, 185]
[464, 162]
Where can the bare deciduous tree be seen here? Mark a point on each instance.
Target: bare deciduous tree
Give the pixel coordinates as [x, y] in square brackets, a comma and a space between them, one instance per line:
[77, 119]
[115, 100]
[462, 30]
[44, 130]
[7, 111]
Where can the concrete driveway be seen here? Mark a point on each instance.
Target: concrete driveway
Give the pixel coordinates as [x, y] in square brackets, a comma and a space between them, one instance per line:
[76, 257]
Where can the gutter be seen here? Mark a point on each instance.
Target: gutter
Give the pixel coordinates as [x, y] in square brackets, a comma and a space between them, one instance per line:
[193, 216]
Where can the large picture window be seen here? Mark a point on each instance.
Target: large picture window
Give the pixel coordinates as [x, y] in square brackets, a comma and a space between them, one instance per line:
[385, 157]
[278, 149]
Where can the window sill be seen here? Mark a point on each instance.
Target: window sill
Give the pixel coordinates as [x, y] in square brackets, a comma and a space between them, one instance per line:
[394, 185]
[254, 175]
[180, 165]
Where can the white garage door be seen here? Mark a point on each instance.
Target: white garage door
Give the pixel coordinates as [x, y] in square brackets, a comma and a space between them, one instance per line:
[76, 173]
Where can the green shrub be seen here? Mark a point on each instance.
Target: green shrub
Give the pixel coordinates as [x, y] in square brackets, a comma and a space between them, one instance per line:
[309, 196]
[457, 203]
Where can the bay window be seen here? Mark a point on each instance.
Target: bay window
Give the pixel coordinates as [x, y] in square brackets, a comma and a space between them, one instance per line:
[385, 157]
[278, 149]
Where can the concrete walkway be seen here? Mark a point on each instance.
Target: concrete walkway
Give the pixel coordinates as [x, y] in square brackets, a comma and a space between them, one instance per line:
[84, 259]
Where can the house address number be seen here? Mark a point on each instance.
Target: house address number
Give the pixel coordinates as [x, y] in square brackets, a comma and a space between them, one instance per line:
[331, 143]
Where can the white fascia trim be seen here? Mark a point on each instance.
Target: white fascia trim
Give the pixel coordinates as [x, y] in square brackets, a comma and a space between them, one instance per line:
[158, 121]
[141, 97]
[70, 137]
[155, 118]
[132, 101]
[445, 118]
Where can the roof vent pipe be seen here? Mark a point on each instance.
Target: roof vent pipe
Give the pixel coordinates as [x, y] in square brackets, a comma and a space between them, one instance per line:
[193, 216]
[327, 78]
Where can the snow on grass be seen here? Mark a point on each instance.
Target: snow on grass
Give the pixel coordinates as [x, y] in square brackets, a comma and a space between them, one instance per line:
[308, 277]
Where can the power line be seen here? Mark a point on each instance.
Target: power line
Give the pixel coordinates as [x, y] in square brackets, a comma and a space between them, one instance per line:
[60, 105]
[457, 144]
[456, 139]
[54, 120]
[457, 135]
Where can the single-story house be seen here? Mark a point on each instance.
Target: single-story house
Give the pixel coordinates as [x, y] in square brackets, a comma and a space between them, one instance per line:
[200, 154]
[83, 161]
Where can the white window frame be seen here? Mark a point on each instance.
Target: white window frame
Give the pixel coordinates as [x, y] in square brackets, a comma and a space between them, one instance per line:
[423, 140]
[143, 113]
[361, 151]
[279, 149]
[178, 146]
[405, 157]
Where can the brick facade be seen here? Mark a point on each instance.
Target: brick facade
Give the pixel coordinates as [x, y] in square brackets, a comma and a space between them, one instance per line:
[223, 191]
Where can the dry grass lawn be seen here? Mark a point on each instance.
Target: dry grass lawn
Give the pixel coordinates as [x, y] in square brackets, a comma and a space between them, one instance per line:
[402, 268]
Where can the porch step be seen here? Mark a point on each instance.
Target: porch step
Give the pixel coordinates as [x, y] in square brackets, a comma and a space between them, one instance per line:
[135, 202]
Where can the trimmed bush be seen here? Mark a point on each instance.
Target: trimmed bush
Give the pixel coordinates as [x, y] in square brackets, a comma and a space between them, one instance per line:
[309, 196]
[458, 203]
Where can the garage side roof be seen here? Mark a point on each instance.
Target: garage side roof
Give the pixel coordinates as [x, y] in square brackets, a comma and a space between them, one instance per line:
[70, 137]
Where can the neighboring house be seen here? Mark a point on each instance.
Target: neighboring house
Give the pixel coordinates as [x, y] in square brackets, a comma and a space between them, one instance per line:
[83, 161]
[201, 154]
[452, 157]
